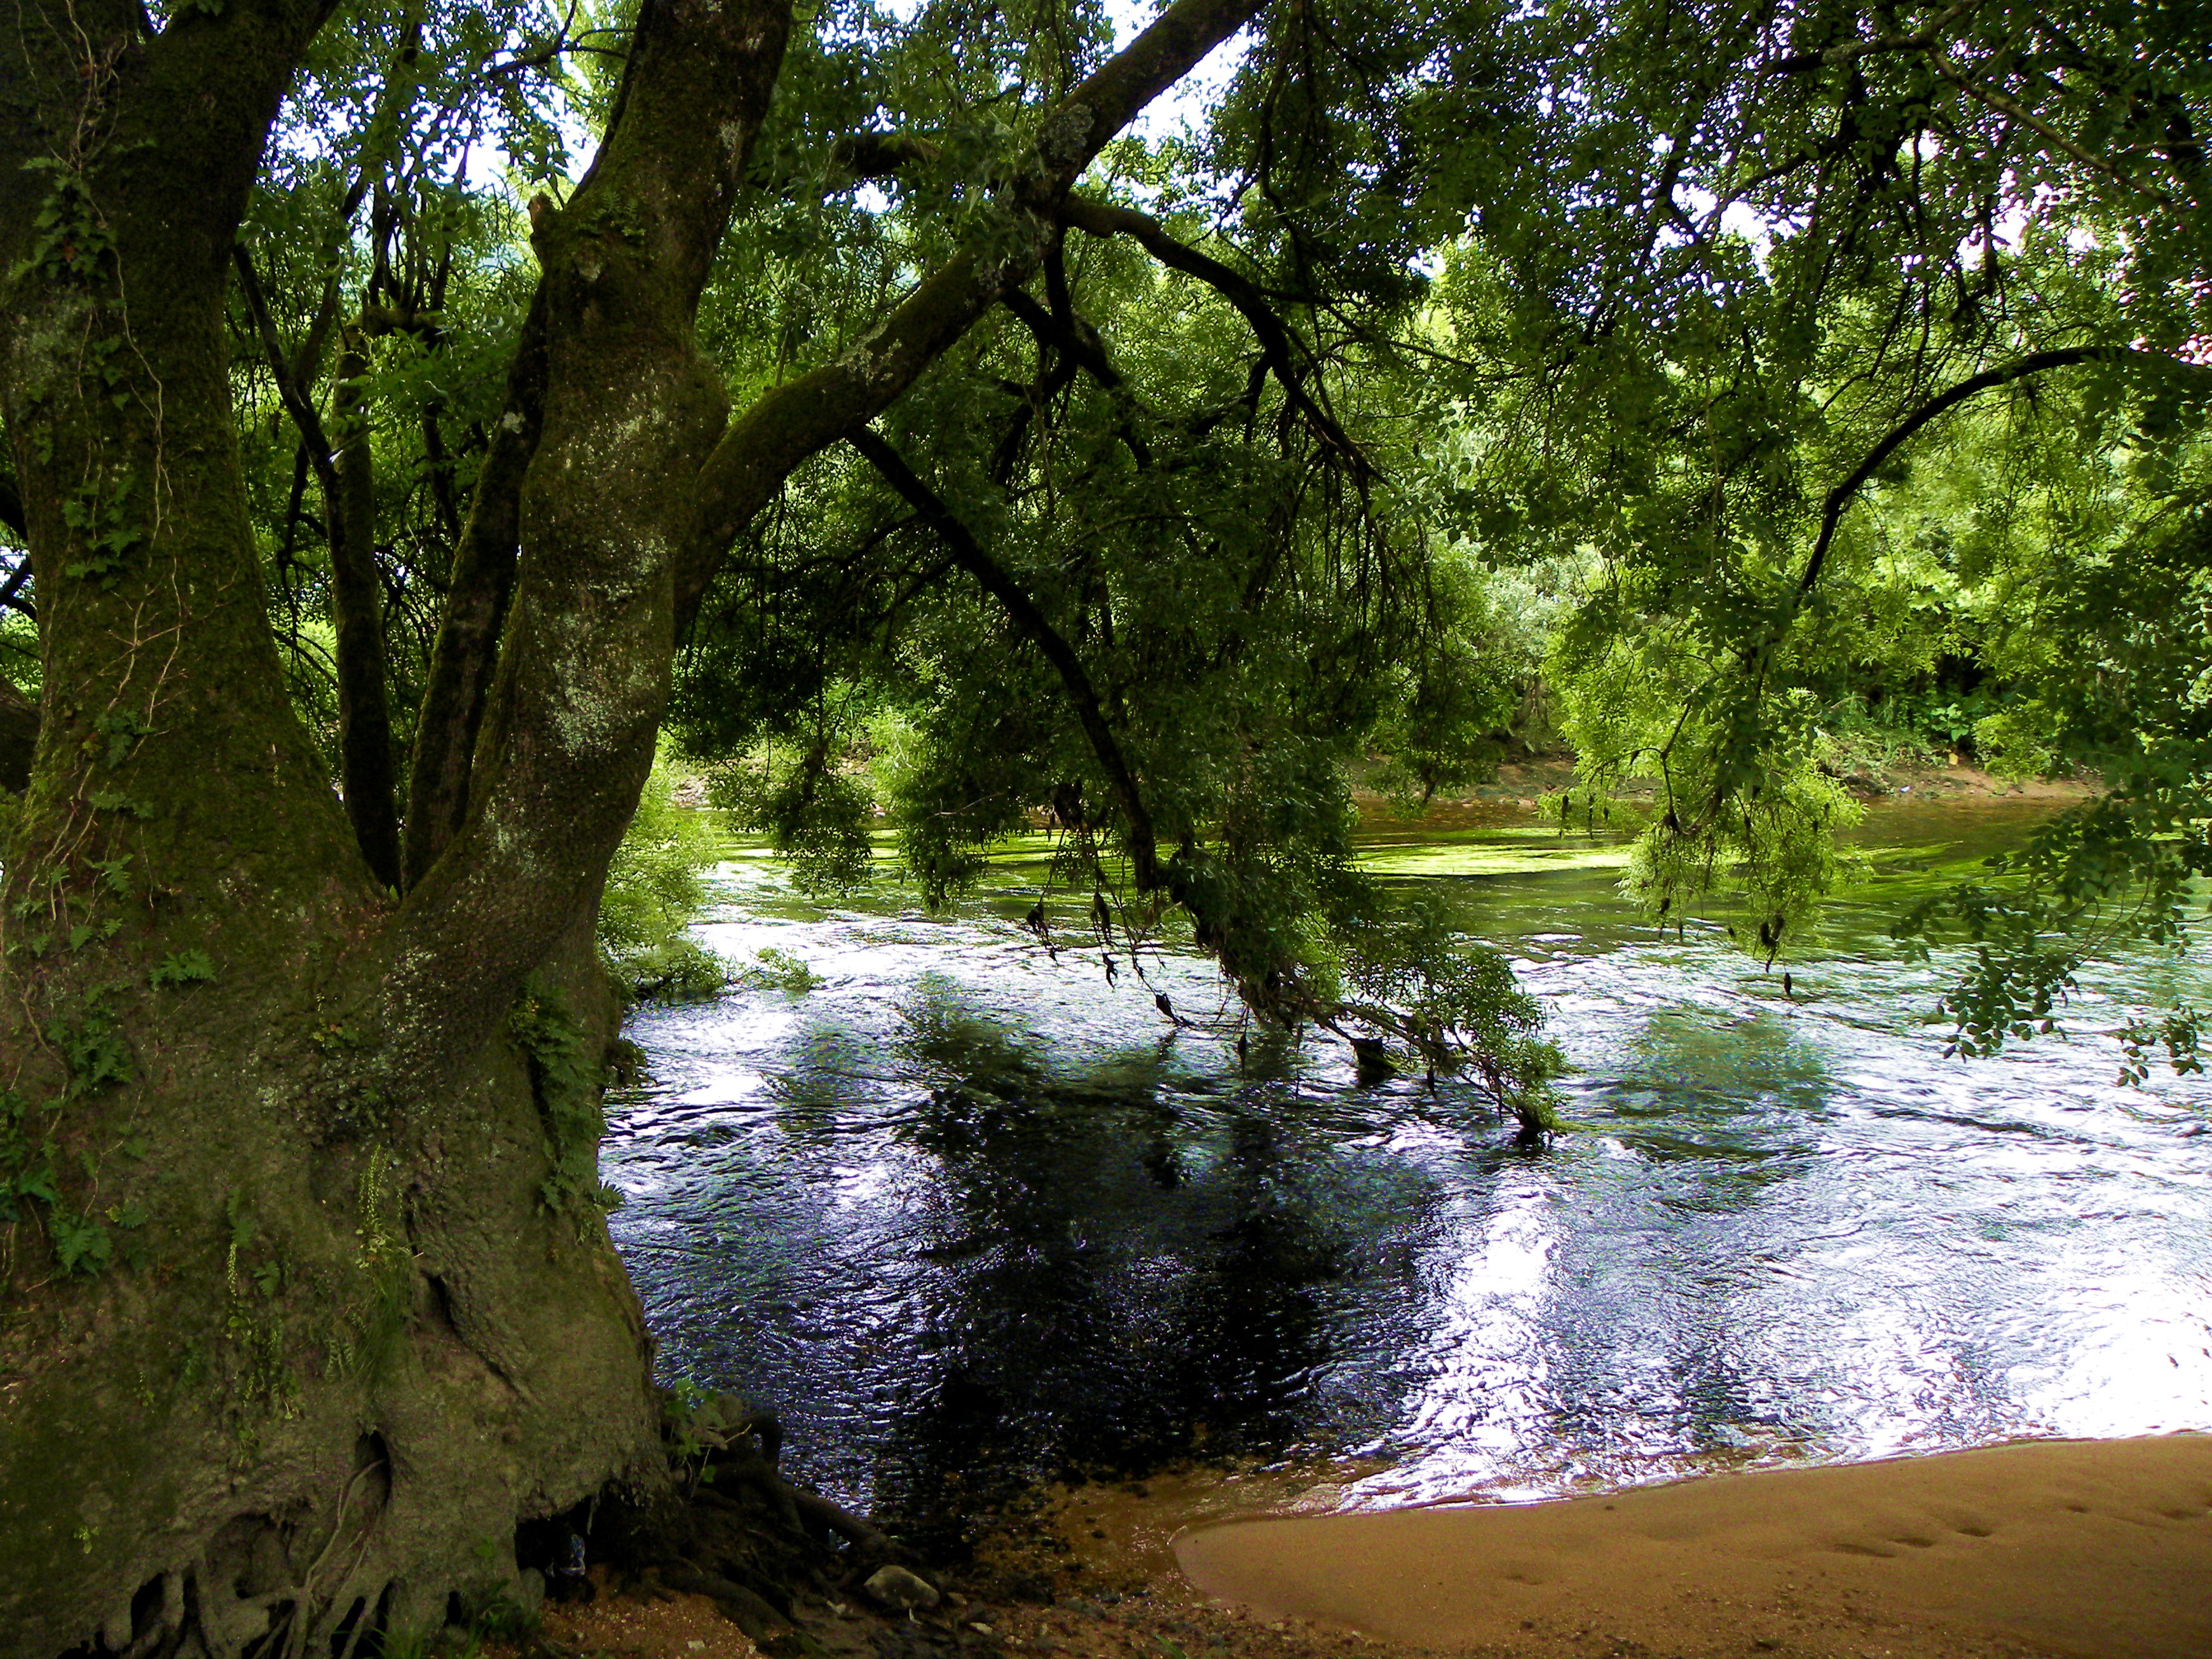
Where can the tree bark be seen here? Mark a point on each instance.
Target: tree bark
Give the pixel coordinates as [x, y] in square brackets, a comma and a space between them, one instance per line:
[481, 582]
[357, 604]
[291, 1333]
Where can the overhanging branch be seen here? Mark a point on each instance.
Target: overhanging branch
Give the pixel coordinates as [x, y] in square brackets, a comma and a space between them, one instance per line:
[1082, 696]
[805, 415]
[1840, 497]
[1079, 345]
[1099, 219]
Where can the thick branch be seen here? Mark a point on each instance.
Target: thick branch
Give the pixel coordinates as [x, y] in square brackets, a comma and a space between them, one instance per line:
[1082, 696]
[1850, 52]
[805, 415]
[482, 579]
[357, 612]
[350, 510]
[631, 410]
[880, 154]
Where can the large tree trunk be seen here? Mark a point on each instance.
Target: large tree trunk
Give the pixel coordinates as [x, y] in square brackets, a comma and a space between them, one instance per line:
[309, 1298]
[306, 1294]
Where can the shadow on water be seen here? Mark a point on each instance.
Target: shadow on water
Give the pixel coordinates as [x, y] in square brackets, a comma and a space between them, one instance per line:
[968, 1214]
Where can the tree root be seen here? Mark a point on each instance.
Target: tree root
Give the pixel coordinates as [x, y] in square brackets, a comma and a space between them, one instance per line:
[739, 1533]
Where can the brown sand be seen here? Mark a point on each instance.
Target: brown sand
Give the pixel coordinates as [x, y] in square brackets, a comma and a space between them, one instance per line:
[664, 1626]
[2097, 1548]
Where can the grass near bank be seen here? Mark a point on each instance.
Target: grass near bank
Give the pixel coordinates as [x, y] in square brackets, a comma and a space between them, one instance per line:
[1495, 831]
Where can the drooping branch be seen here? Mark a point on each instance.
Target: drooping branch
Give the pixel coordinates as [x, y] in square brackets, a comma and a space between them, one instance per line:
[11, 507]
[1840, 497]
[1102, 220]
[2013, 110]
[631, 408]
[806, 415]
[1021, 610]
[290, 392]
[1079, 346]
[639, 485]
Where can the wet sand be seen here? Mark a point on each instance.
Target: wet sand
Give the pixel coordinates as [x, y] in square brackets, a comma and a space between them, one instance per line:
[2101, 1549]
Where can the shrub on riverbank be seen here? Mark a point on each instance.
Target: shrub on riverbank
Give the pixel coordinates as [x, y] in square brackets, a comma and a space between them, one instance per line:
[655, 886]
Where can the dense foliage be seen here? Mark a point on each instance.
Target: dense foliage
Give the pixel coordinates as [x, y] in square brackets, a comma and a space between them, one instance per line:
[1785, 393]
[656, 887]
[1453, 353]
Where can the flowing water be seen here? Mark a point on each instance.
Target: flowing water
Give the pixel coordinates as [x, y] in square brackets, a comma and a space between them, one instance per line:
[968, 1213]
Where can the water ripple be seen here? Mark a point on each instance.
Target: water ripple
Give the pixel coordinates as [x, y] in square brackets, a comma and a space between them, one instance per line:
[967, 1209]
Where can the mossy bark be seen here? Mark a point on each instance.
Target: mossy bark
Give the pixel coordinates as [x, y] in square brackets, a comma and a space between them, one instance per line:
[308, 1300]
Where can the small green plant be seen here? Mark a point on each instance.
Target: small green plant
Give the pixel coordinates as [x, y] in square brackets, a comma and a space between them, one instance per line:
[655, 886]
[182, 968]
[114, 734]
[566, 1081]
[70, 239]
[693, 1423]
[104, 532]
[698, 1422]
[775, 970]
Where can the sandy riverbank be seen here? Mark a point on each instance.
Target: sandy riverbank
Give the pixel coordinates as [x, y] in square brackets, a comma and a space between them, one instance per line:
[2097, 1549]
[2043, 1550]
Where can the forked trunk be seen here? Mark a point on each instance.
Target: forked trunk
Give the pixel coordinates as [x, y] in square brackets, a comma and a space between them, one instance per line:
[308, 1299]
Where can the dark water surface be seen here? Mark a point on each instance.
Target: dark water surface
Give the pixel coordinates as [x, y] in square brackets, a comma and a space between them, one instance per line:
[964, 1213]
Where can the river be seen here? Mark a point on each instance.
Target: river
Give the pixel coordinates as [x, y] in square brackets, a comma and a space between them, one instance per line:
[967, 1215]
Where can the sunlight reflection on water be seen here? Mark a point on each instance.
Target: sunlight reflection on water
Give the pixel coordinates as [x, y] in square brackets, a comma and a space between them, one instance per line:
[966, 1211]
